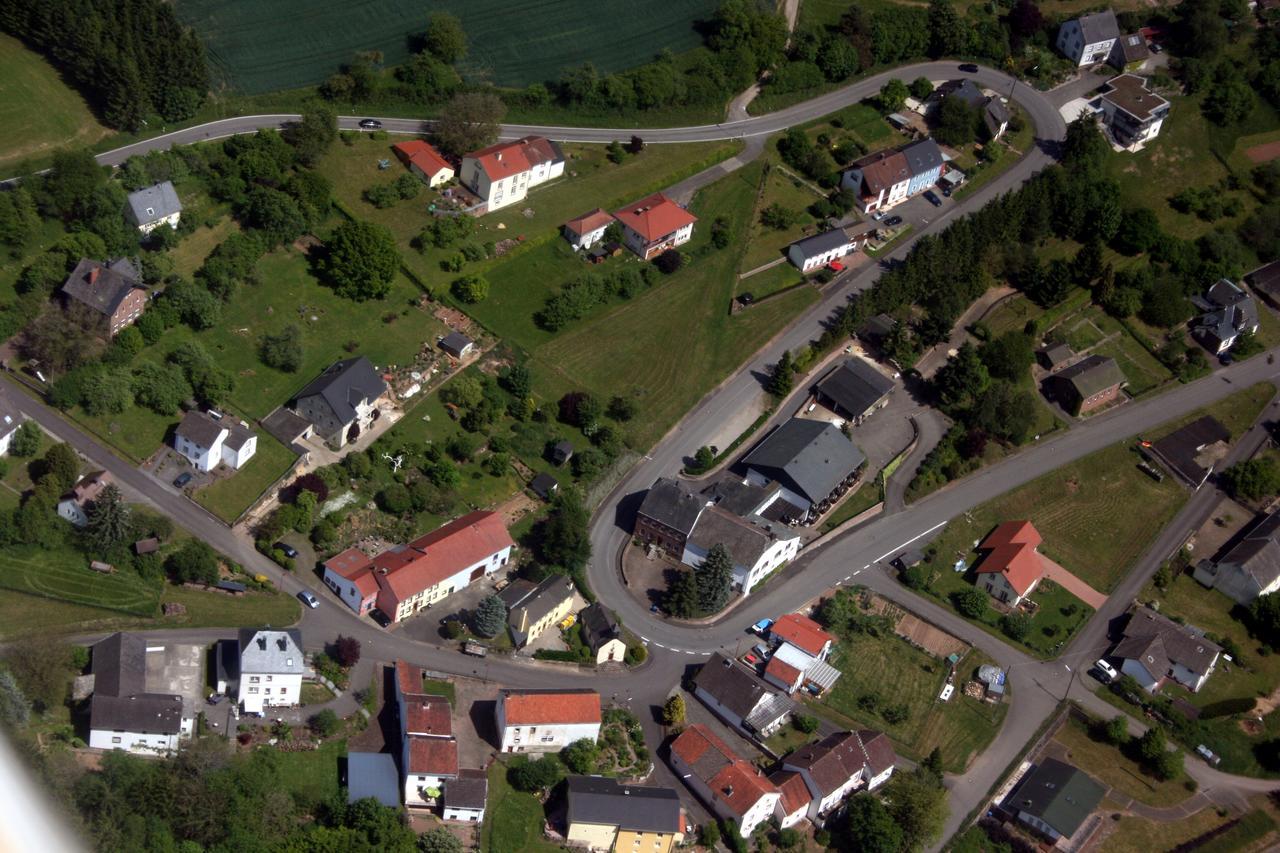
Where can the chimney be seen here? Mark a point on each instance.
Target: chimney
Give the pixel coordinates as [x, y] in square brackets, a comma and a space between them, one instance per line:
[262, 643]
[93, 275]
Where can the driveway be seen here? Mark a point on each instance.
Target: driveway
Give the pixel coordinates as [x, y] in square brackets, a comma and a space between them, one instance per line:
[1073, 584]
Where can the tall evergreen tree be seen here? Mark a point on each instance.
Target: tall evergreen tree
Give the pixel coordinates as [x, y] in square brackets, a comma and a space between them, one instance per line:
[782, 378]
[714, 580]
[110, 520]
[491, 615]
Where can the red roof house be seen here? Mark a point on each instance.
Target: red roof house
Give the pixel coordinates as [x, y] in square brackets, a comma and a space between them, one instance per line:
[803, 633]
[1012, 566]
[731, 787]
[586, 230]
[424, 160]
[654, 224]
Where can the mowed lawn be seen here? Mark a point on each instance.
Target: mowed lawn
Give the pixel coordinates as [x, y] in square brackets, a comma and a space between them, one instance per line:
[65, 575]
[1114, 769]
[38, 111]
[766, 243]
[230, 496]
[512, 820]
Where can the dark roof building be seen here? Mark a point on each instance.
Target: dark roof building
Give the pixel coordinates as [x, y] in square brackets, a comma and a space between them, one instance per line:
[373, 774]
[1054, 356]
[528, 612]
[544, 486]
[810, 459]
[1266, 280]
[667, 515]
[105, 288]
[1155, 649]
[1229, 313]
[739, 697]
[1090, 383]
[1055, 798]
[121, 703]
[598, 625]
[1191, 452]
[469, 791]
[1249, 567]
[855, 389]
[456, 344]
[154, 204]
[923, 156]
[745, 541]
[1129, 49]
[341, 397]
[843, 757]
[638, 808]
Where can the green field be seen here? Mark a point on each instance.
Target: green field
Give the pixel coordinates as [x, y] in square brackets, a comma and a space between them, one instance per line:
[781, 187]
[259, 47]
[65, 575]
[1139, 835]
[311, 777]
[512, 820]
[1114, 769]
[38, 112]
[229, 497]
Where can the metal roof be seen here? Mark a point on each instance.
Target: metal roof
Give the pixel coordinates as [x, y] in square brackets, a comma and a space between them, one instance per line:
[855, 386]
[1058, 794]
[809, 457]
[373, 774]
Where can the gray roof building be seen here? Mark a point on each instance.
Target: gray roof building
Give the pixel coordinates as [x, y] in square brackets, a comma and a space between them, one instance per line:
[995, 115]
[373, 774]
[1249, 566]
[810, 458]
[1192, 451]
[120, 699]
[270, 651]
[154, 203]
[855, 388]
[669, 503]
[1266, 280]
[456, 344]
[741, 693]
[840, 756]
[469, 791]
[1093, 374]
[741, 499]
[745, 541]
[200, 428]
[1056, 794]
[544, 485]
[820, 244]
[10, 418]
[537, 603]
[1230, 311]
[598, 625]
[1099, 26]
[923, 156]
[102, 286]
[344, 385]
[1129, 49]
[636, 808]
[1158, 643]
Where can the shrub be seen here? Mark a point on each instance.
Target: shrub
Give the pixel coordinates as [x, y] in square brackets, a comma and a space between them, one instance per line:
[325, 723]
[970, 602]
[669, 261]
[535, 776]
[805, 723]
[346, 651]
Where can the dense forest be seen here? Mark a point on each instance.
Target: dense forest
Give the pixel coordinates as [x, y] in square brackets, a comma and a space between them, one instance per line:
[131, 59]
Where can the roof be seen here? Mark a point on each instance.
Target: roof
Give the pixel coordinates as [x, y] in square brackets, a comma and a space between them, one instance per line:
[345, 384]
[637, 808]
[590, 221]
[598, 625]
[855, 386]
[733, 782]
[654, 217]
[839, 757]
[1237, 310]
[373, 774]
[1092, 375]
[1133, 48]
[549, 707]
[740, 786]
[88, 487]
[1099, 26]
[1157, 643]
[1011, 551]
[995, 114]
[1129, 92]
[408, 678]
[746, 542]
[437, 756]
[923, 156]
[1192, 451]
[455, 342]
[469, 791]
[732, 686]
[543, 599]
[442, 553]
[238, 433]
[511, 158]
[543, 484]
[738, 497]
[1057, 353]
[808, 457]
[200, 428]
[795, 793]
[820, 244]
[10, 418]
[516, 591]
[882, 170]
[354, 565]
[966, 90]
[1058, 794]
[153, 203]
[783, 671]
[801, 632]
[420, 153]
[427, 715]
[271, 651]
[669, 503]
[146, 546]
[1266, 278]
[704, 752]
[119, 664]
[120, 698]
[1258, 553]
[100, 286]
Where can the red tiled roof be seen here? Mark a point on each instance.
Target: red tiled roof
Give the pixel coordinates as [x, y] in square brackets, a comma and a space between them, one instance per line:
[878, 749]
[538, 707]
[353, 565]
[1011, 551]
[782, 670]
[442, 553]
[655, 217]
[408, 678]
[511, 158]
[427, 715]
[694, 742]
[588, 222]
[89, 487]
[801, 632]
[435, 755]
[795, 793]
[740, 786]
[883, 170]
[422, 154]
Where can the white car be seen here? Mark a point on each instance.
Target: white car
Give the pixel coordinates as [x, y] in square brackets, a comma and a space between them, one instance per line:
[1106, 671]
[308, 598]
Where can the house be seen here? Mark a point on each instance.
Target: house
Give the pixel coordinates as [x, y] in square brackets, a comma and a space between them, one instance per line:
[541, 608]
[854, 389]
[207, 439]
[123, 713]
[811, 460]
[546, 720]
[1155, 649]
[351, 575]
[667, 516]
[601, 633]
[10, 420]
[1129, 51]
[1055, 798]
[793, 805]
[432, 567]
[503, 174]
[562, 452]
[799, 659]
[878, 329]
[1089, 384]
[153, 206]
[342, 402]
[466, 796]
[1193, 451]
[1089, 38]
[373, 775]
[814, 253]
[1131, 113]
[924, 164]
[1266, 281]
[880, 180]
[112, 292]
[757, 546]
[271, 669]
[428, 750]
[1250, 567]
[457, 344]
[603, 814]
[1229, 313]
[654, 224]
[74, 505]
[803, 633]
[422, 158]
[1054, 357]
[586, 230]
[544, 486]
[839, 764]
[733, 789]
[739, 698]
[995, 116]
[1011, 567]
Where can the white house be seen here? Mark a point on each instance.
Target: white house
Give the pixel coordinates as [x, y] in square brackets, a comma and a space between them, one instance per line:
[1156, 649]
[883, 179]
[1229, 313]
[732, 788]
[123, 713]
[503, 174]
[207, 439]
[153, 206]
[1251, 568]
[655, 224]
[739, 698]
[271, 669]
[800, 656]
[840, 764]
[351, 575]
[10, 420]
[793, 805]
[465, 797]
[586, 230]
[546, 720]
[429, 752]
[342, 402]
[1131, 113]
[813, 253]
[757, 547]
[1089, 38]
[74, 505]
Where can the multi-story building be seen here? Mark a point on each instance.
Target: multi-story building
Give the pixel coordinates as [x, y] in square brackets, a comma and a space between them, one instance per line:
[546, 720]
[604, 815]
[271, 669]
[207, 440]
[884, 179]
[342, 402]
[153, 206]
[1131, 113]
[503, 174]
[112, 293]
[428, 750]
[840, 764]
[123, 713]
[74, 505]
[1089, 38]
[533, 611]
[654, 224]
[731, 787]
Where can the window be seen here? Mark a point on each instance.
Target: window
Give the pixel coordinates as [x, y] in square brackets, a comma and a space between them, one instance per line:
[253, 690]
[267, 691]
[268, 678]
[115, 740]
[253, 679]
[284, 690]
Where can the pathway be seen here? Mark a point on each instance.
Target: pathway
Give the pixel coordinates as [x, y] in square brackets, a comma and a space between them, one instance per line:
[1073, 584]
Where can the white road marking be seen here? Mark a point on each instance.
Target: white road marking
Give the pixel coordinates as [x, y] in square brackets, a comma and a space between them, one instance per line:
[644, 639]
[845, 578]
[909, 541]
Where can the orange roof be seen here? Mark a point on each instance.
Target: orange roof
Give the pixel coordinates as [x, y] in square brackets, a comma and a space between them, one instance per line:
[654, 217]
[1011, 551]
[408, 678]
[548, 707]
[696, 740]
[427, 715]
[740, 786]
[511, 158]
[423, 155]
[782, 670]
[442, 553]
[795, 793]
[588, 222]
[435, 755]
[353, 565]
[801, 632]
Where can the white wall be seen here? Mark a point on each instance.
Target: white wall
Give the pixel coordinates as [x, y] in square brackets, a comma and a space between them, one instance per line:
[6, 439]
[254, 695]
[72, 512]
[778, 553]
[203, 458]
[585, 241]
[546, 738]
[132, 741]
[236, 459]
[471, 815]
[347, 591]
[716, 708]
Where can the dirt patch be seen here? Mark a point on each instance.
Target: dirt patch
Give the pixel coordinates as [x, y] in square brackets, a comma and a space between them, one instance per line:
[918, 632]
[1251, 726]
[515, 508]
[452, 318]
[306, 243]
[1263, 153]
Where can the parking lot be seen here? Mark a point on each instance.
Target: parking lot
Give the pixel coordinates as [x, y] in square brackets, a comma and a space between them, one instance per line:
[426, 627]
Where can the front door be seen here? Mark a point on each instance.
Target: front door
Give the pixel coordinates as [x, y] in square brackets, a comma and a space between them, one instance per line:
[477, 573]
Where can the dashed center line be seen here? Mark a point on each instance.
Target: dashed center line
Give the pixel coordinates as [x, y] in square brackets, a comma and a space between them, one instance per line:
[908, 542]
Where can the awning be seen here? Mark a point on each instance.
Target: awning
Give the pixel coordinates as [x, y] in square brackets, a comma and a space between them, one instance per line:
[821, 674]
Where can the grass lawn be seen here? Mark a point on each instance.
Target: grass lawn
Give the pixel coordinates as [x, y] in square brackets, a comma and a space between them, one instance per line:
[793, 193]
[315, 693]
[64, 574]
[867, 496]
[1253, 827]
[1113, 768]
[770, 281]
[787, 739]
[438, 687]
[231, 496]
[1139, 835]
[38, 111]
[312, 776]
[513, 820]
[188, 255]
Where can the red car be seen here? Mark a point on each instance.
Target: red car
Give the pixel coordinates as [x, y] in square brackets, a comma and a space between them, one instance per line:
[751, 659]
[836, 266]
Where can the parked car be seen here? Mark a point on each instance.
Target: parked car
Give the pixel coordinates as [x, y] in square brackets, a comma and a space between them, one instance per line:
[215, 698]
[1154, 47]
[288, 550]
[379, 617]
[893, 221]
[370, 124]
[751, 659]
[1226, 358]
[182, 479]
[308, 598]
[1104, 672]
[969, 68]
[878, 215]
[932, 198]
[946, 192]
[1208, 755]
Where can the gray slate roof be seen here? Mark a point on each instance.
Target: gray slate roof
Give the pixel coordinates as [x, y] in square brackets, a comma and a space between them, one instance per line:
[995, 114]
[808, 457]
[923, 156]
[745, 541]
[153, 203]
[200, 428]
[1058, 794]
[344, 385]
[1157, 643]
[822, 243]
[104, 292]
[733, 687]
[638, 808]
[1093, 374]
[1235, 310]
[598, 625]
[10, 418]
[737, 497]
[1100, 26]
[120, 701]
[469, 791]
[668, 502]
[271, 651]
[1258, 553]
[373, 774]
[543, 598]
[455, 342]
[855, 386]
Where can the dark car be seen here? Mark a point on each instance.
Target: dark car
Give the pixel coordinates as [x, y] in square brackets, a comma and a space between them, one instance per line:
[892, 221]
[379, 617]
[182, 479]
[969, 68]
[288, 550]
[932, 198]
[370, 124]
[1226, 358]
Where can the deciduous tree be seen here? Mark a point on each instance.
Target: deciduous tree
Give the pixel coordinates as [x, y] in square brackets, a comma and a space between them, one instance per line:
[469, 121]
[362, 260]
